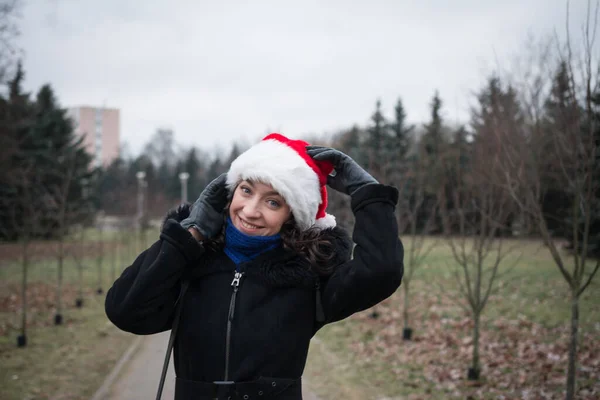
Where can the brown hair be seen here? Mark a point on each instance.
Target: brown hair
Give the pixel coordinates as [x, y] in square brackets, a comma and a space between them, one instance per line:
[314, 244]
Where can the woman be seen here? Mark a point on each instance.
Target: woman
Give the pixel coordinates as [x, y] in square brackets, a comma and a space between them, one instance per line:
[267, 268]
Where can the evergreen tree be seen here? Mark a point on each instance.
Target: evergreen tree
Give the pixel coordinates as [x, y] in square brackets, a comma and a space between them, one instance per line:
[235, 152]
[216, 168]
[196, 181]
[496, 119]
[350, 143]
[562, 118]
[18, 150]
[594, 229]
[64, 156]
[401, 132]
[434, 131]
[115, 189]
[377, 139]
[594, 240]
[43, 144]
[397, 147]
[164, 177]
[430, 156]
[592, 121]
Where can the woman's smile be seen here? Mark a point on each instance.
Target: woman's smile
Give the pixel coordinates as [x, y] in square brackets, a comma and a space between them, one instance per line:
[247, 225]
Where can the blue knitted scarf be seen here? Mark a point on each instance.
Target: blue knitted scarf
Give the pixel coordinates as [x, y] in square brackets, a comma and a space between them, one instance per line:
[240, 247]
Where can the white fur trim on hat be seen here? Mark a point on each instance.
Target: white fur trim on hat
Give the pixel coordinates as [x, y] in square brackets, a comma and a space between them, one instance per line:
[328, 221]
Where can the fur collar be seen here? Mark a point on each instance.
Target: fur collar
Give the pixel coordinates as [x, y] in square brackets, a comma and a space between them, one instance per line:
[276, 268]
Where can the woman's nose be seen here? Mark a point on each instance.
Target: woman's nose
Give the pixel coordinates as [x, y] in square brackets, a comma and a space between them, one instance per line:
[251, 210]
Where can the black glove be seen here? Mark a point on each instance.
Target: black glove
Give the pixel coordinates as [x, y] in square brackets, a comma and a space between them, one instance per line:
[349, 176]
[207, 212]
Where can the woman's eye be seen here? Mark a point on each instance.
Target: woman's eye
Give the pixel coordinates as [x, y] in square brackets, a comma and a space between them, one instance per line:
[245, 189]
[274, 204]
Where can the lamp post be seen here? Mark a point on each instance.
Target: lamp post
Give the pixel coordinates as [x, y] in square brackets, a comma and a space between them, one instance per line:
[141, 175]
[183, 177]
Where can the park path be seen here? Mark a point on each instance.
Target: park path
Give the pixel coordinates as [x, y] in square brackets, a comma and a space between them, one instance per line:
[139, 377]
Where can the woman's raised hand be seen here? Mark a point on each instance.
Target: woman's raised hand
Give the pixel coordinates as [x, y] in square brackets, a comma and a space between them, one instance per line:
[206, 215]
[349, 176]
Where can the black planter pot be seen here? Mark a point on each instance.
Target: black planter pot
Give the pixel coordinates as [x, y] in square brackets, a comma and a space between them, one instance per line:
[58, 319]
[473, 374]
[79, 303]
[407, 333]
[21, 341]
[99, 291]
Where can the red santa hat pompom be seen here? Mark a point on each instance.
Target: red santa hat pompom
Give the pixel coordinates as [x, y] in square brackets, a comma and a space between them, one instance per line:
[284, 164]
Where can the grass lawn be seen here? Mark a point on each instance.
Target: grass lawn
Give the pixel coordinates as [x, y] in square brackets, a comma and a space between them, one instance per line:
[67, 361]
[523, 342]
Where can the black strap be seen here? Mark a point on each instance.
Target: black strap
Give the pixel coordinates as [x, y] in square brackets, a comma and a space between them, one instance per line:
[179, 306]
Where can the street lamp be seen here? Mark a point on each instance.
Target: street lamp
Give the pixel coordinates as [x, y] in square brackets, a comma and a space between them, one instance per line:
[140, 175]
[183, 177]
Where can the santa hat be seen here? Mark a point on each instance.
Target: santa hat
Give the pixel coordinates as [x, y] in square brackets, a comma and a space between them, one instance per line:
[285, 165]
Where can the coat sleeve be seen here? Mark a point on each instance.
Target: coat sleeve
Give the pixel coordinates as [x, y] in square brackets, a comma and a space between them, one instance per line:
[142, 300]
[375, 271]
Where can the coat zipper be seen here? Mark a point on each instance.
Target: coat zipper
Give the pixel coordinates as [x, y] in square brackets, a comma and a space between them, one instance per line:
[236, 285]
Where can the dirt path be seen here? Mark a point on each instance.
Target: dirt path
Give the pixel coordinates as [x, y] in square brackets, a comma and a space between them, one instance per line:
[139, 379]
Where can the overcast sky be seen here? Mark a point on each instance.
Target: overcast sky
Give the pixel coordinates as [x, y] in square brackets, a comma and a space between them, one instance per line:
[216, 72]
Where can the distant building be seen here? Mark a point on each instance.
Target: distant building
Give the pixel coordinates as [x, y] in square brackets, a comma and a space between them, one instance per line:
[101, 130]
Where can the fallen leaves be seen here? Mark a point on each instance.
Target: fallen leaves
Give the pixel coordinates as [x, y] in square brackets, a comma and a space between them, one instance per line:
[41, 304]
[520, 358]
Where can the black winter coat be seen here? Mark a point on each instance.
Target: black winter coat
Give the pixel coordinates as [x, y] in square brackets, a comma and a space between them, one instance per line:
[261, 334]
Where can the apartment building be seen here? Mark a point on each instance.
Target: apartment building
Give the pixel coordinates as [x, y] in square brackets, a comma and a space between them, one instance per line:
[101, 130]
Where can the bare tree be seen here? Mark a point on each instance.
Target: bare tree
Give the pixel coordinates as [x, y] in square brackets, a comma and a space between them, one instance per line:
[65, 212]
[25, 216]
[78, 258]
[475, 211]
[559, 151]
[414, 206]
[81, 251]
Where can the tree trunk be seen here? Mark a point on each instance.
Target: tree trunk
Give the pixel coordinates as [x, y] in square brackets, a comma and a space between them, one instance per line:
[100, 256]
[407, 331]
[572, 371]
[24, 294]
[79, 259]
[475, 369]
[406, 305]
[58, 317]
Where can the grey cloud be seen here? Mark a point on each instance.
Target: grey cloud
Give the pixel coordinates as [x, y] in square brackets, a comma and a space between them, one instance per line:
[216, 72]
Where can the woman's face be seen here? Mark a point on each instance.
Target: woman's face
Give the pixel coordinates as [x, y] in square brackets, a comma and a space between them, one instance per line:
[258, 210]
